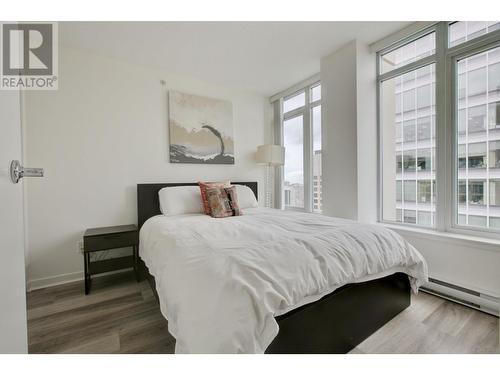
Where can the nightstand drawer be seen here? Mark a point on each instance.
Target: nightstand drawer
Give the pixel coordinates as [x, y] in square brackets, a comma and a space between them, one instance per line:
[110, 241]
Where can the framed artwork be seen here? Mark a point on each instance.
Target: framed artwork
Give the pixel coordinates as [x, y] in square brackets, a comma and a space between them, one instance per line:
[201, 129]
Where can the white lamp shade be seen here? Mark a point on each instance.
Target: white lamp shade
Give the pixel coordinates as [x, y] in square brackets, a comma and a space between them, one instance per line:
[271, 154]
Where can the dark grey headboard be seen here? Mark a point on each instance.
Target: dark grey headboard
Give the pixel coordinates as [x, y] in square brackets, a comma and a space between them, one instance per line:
[148, 203]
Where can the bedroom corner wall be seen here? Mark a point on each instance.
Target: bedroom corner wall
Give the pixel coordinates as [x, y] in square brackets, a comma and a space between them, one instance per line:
[339, 133]
[348, 128]
[101, 133]
[366, 89]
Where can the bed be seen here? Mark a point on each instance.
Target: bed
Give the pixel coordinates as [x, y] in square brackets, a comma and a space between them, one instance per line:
[273, 281]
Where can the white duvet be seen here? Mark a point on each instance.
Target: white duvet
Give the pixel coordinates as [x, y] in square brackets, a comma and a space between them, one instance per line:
[221, 282]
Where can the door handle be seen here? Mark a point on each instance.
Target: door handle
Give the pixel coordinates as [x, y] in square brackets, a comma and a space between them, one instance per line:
[17, 171]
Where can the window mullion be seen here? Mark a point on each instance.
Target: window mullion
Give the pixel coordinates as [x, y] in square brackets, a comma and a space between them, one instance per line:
[444, 132]
[278, 201]
[408, 68]
[294, 113]
[308, 177]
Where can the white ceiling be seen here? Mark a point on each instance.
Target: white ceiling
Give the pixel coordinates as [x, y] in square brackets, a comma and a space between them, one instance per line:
[265, 57]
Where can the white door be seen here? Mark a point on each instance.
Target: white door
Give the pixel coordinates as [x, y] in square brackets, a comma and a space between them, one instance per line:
[13, 330]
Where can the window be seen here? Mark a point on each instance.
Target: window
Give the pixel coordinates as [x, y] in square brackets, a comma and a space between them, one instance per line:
[478, 149]
[477, 155]
[399, 132]
[424, 218]
[493, 76]
[424, 128]
[409, 161]
[494, 157]
[477, 119]
[409, 131]
[413, 152]
[409, 101]
[410, 191]
[287, 197]
[422, 47]
[461, 83]
[316, 93]
[476, 192]
[424, 191]
[462, 31]
[398, 102]
[301, 136]
[410, 216]
[462, 219]
[424, 159]
[293, 139]
[399, 162]
[494, 193]
[476, 82]
[462, 159]
[494, 115]
[294, 102]
[414, 158]
[316, 129]
[494, 222]
[399, 215]
[477, 221]
[462, 193]
[424, 96]
[461, 121]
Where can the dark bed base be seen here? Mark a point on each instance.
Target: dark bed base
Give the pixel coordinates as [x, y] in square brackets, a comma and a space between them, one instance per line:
[339, 321]
[336, 323]
[343, 319]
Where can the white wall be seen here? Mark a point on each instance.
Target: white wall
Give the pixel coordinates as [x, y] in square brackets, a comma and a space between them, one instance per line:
[352, 131]
[366, 97]
[464, 262]
[339, 133]
[101, 133]
[349, 126]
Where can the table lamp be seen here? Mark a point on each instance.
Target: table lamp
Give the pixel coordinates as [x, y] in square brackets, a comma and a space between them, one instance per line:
[271, 156]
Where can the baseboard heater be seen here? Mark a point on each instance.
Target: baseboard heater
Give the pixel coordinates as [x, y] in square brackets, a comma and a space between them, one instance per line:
[468, 297]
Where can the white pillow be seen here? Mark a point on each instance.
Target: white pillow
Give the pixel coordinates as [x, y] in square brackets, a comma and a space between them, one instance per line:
[179, 200]
[246, 197]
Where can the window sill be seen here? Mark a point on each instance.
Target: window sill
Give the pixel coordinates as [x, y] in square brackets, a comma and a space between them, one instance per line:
[485, 243]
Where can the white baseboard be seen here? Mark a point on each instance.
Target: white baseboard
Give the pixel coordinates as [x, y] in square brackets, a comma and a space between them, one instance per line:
[65, 278]
[54, 280]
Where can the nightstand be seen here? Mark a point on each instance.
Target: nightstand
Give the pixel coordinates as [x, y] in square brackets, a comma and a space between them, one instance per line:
[106, 238]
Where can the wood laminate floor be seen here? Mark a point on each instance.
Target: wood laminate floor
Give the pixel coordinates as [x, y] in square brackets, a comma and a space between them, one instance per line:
[122, 316]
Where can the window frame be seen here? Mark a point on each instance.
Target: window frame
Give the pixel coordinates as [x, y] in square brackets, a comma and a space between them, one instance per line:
[454, 54]
[446, 160]
[306, 111]
[382, 77]
[297, 112]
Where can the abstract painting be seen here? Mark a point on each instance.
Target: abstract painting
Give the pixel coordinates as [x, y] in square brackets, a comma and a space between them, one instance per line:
[201, 129]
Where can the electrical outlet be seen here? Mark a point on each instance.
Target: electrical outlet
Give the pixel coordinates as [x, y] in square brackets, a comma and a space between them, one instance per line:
[79, 246]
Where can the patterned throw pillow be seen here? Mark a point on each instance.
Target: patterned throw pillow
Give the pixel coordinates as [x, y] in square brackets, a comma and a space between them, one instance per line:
[223, 202]
[203, 190]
